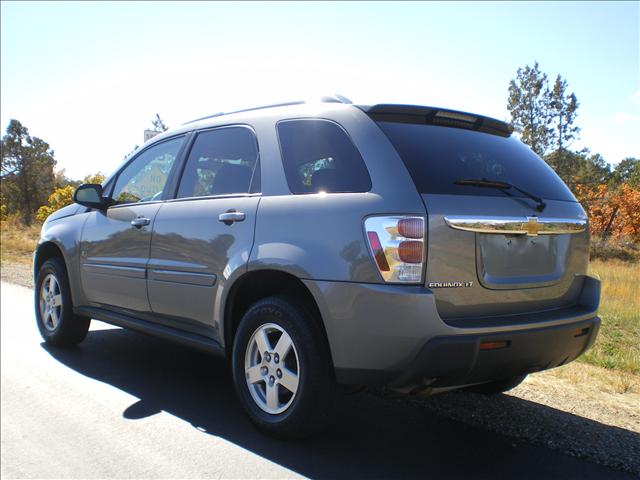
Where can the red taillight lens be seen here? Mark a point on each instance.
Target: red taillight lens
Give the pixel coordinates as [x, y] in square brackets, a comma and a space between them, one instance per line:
[411, 227]
[378, 253]
[397, 245]
[410, 251]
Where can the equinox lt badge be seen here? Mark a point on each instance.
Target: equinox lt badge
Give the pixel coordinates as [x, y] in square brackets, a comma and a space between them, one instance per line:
[450, 284]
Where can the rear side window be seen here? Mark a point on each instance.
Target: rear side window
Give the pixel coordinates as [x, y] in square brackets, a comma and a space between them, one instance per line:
[221, 162]
[436, 157]
[319, 156]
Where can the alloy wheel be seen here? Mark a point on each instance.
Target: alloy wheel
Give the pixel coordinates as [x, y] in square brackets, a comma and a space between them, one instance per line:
[272, 368]
[50, 302]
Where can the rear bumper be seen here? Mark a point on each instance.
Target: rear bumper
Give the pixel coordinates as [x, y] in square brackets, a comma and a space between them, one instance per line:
[459, 360]
[393, 335]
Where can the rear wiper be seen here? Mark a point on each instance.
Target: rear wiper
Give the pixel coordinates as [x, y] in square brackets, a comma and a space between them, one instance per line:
[484, 182]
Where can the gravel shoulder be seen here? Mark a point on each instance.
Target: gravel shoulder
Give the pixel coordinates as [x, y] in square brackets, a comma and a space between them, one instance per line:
[570, 409]
[18, 273]
[579, 409]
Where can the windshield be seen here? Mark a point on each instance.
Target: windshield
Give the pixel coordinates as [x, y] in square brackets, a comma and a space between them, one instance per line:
[437, 157]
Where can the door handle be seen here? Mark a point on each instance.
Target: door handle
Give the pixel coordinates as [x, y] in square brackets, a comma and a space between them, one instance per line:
[231, 216]
[140, 222]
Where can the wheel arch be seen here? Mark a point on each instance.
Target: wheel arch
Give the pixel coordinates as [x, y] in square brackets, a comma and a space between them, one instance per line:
[258, 284]
[44, 252]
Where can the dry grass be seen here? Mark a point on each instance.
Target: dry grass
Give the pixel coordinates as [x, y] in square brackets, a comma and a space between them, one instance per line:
[17, 242]
[623, 249]
[618, 344]
[612, 382]
[603, 395]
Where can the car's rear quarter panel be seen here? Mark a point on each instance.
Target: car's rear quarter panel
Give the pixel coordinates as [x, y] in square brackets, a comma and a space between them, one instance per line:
[320, 236]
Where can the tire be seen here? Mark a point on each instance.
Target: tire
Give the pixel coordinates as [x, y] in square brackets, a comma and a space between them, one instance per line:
[56, 321]
[295, 410]
[499, 386]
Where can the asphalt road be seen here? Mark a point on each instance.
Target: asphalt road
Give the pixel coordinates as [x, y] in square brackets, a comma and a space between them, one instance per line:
[125, 405]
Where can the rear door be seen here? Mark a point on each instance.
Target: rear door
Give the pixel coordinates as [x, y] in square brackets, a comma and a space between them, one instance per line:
[205, 234]
[492, 251]
[115, 243]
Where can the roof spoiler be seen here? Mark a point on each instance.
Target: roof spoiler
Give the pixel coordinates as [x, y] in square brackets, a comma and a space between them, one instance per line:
[437, 116]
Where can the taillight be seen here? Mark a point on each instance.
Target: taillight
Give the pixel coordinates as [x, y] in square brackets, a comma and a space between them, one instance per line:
[397, 245]
[378, 253]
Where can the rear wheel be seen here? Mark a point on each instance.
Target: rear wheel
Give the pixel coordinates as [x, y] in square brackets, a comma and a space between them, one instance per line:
[281, 370]
[499, 386]
[57, 323]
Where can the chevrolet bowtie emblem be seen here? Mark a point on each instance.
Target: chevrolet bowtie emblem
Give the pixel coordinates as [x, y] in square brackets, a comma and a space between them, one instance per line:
[532, 227]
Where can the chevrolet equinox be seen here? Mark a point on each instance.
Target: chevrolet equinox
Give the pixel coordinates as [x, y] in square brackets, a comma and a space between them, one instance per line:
[319, 245]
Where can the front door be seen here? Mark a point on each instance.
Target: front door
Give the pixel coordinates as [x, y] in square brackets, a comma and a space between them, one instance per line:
[115, 243]
[205, 235]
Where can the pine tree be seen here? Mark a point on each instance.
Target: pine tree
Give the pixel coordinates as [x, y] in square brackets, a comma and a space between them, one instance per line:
[529, 105]
[158, 124]
[563, 109]
[27, 171]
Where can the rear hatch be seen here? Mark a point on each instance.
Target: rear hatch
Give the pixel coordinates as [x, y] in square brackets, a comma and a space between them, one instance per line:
[505, 235]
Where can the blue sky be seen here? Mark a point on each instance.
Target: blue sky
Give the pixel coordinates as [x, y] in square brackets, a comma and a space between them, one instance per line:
[89, 77]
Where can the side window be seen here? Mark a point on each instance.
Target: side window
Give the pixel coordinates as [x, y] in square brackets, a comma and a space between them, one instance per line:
[145, 177]
[221, 161]
[318, 156]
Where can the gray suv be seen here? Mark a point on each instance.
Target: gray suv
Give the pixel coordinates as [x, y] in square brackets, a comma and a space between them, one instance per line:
[319, 245]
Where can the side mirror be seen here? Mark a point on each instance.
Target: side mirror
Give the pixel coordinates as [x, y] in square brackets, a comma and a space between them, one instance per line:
[90, 195]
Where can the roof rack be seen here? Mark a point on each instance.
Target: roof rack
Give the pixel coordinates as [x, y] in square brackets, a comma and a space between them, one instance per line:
[336, 98]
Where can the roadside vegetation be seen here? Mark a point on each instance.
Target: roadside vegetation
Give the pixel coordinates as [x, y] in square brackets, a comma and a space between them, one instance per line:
[17, 241]
[618, 344]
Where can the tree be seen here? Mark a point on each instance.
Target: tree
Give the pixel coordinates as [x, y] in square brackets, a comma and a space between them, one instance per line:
[61, 180]
[594, 170]
[567, 165]
[529, 105]
[27, 171]
[579, 168]
[158, 124]
[627, 171]
[63, 196]
[563, 109]
[612, 212]
[95, 178]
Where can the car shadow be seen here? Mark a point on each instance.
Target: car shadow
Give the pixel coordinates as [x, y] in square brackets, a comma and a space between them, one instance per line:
[369, 436]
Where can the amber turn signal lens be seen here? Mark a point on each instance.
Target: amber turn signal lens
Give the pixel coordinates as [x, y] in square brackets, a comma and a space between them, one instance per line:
[580, 332]
[411, 227]
[493, 345]
[410, 251]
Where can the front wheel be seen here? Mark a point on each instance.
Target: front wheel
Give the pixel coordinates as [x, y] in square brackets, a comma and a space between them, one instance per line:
[281, 370]
[57, 323]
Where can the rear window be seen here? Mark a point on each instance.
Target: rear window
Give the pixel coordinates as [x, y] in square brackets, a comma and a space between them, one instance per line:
[318, 156]
[438, 156]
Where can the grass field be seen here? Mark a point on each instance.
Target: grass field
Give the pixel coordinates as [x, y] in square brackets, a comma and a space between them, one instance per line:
[617, 347]
[17, 242]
